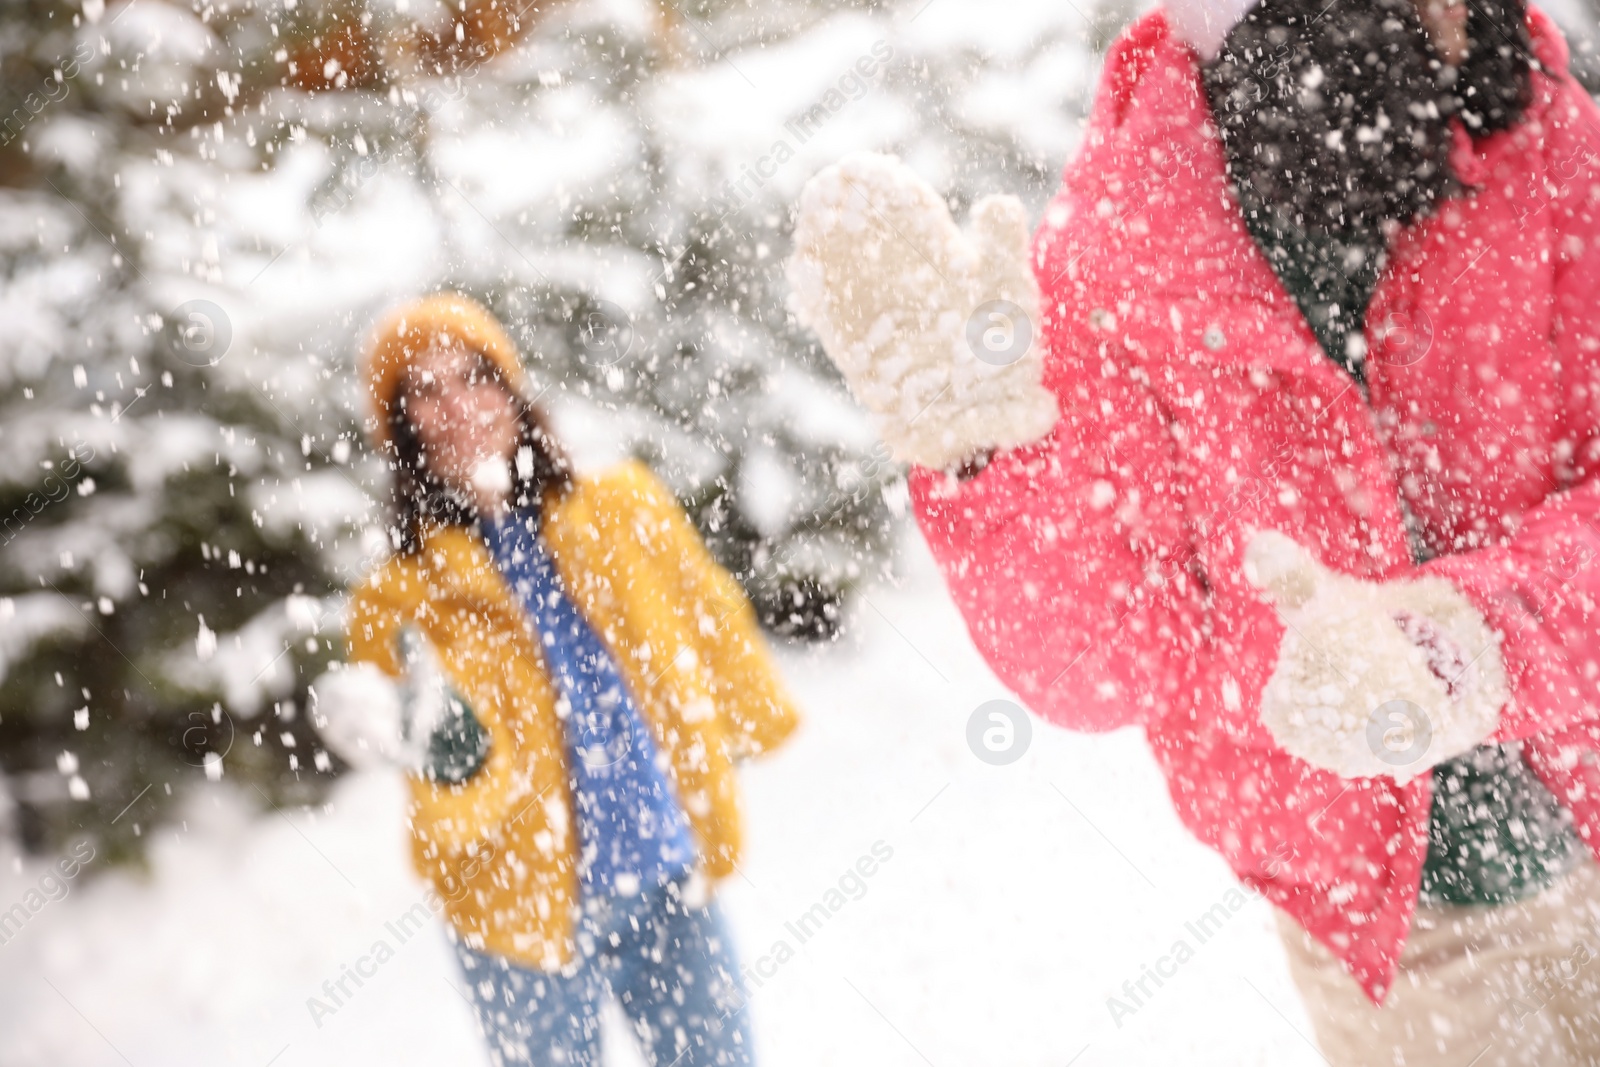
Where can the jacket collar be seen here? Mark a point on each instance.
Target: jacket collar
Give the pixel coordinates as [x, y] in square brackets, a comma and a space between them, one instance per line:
[455, 561]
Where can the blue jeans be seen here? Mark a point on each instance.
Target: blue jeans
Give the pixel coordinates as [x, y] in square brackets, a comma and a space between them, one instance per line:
[670, 966]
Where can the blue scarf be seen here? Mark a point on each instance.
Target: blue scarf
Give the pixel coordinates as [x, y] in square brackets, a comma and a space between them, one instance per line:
[632, 830]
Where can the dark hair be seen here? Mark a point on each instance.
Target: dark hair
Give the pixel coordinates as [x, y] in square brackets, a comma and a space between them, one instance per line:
[1494, 86]
[1338, 115]
[421, 497]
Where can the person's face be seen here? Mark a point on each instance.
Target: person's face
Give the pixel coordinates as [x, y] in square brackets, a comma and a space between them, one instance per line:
[1446, 23]
[462, 414]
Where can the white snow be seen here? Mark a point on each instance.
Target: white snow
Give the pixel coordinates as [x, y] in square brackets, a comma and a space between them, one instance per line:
[1016, 901]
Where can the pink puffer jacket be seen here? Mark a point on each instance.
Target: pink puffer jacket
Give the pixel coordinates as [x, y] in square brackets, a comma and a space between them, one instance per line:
[1099, 571]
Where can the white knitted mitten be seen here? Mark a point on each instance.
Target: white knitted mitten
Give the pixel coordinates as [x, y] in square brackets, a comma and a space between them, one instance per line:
[359, 712]
[373, 720]
[1374, 678]
[936, 331]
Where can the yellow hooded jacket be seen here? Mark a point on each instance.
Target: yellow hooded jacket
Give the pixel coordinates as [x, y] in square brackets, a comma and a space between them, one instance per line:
[501, 849]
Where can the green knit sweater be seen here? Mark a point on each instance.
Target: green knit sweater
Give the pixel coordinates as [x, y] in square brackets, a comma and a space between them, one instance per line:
[1495, 833]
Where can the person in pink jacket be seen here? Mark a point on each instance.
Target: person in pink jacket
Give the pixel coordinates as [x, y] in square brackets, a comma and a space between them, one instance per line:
[1280, 441]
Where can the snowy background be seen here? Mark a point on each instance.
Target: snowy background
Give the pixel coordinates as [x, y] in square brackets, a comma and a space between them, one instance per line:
[1018, 899]
[561, 176]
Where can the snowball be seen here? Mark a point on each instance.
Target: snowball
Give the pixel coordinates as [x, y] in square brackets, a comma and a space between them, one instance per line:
[359, 715]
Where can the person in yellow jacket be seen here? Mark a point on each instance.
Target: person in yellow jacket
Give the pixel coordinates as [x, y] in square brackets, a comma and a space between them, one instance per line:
[573, 680]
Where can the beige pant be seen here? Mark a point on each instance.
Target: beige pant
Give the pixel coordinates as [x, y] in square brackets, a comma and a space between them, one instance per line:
[1478, 986]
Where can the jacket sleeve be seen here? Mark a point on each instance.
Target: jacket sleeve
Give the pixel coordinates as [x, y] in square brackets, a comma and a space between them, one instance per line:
[1539, 589]
[757, 713]
[1069, 558]
[453, 815]
[370, 628]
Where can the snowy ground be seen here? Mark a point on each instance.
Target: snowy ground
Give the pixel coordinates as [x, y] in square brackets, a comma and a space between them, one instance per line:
[1018, 899]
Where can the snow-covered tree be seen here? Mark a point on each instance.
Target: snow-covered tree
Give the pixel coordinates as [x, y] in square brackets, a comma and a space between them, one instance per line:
[617, 186]
[156, 574]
